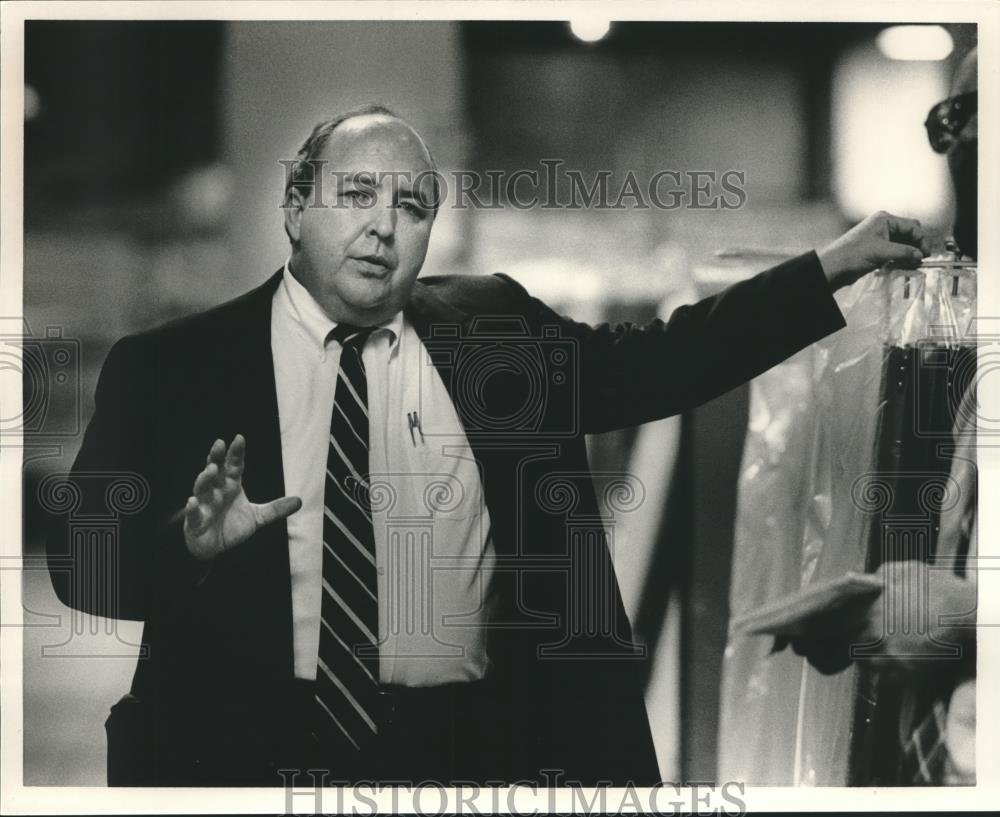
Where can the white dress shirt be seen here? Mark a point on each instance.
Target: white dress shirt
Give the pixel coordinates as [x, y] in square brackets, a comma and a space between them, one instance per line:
[433, 551]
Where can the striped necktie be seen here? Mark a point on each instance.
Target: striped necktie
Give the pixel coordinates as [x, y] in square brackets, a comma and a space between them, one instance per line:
[347, 671]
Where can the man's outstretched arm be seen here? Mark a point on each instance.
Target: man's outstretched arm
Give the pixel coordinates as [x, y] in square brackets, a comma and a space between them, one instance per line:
[630, 375]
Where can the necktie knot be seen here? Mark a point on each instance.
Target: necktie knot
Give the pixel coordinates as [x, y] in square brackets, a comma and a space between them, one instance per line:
[347, 334]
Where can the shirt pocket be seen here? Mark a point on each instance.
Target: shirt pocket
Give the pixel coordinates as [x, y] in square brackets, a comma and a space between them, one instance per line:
[431, 481]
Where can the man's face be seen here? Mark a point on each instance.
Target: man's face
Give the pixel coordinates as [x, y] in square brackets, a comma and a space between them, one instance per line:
[963, 163]
[359, 254]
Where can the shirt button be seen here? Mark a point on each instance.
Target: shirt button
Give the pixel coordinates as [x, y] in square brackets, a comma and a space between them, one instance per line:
[381, 571]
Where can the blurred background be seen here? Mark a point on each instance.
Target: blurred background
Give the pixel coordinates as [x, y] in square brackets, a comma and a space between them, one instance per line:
[153, 186]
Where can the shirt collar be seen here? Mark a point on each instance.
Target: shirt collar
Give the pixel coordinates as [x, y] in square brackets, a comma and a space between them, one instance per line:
[314, 320]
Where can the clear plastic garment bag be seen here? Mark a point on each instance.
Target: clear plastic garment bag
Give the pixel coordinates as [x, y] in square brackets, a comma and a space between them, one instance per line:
[845, 465]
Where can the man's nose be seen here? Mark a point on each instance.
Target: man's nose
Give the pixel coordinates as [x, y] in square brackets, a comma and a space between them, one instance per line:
[383, 218]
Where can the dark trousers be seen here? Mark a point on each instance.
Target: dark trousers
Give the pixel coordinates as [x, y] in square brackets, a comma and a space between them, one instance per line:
[453, 733]
[444, 734]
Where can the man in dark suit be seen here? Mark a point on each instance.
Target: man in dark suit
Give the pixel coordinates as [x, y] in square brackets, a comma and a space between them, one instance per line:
[395, 567]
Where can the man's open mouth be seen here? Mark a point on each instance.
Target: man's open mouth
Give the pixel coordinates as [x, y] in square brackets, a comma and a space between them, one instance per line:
[376, 260]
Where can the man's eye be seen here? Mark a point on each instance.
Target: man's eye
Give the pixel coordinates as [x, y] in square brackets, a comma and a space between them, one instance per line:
[361, 197]
[413, 208]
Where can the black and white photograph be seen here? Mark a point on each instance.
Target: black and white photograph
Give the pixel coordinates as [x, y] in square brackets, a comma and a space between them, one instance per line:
[409, 405]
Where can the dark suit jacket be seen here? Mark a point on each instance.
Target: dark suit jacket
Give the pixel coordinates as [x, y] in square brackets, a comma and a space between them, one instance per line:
[527, 385]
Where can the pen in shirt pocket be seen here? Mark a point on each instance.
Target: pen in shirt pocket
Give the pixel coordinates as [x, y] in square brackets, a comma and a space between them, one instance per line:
[413, 421]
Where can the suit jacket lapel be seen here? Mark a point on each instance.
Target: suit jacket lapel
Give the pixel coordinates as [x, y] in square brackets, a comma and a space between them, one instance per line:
[247, 386]
[251, 393]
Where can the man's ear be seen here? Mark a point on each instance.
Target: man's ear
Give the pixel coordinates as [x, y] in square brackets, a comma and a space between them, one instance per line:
[295, 205]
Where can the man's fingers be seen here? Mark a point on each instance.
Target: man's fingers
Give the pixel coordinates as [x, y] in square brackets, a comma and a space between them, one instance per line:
[217, 458]
[276, 509]
[907, 231]
[827, 655]
[901, 255]
[216, 452]
[236, 457]
[206, 485]
[197, 517]
[192, 515]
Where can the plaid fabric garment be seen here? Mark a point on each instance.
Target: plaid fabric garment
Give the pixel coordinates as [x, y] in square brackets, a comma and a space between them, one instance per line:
[925, 752]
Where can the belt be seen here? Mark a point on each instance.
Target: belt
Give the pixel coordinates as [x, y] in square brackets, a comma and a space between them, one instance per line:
[442, 733]
[396, 702]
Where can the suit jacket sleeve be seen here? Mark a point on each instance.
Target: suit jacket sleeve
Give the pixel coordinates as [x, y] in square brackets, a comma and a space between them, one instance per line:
[115, 578]
[630, 375]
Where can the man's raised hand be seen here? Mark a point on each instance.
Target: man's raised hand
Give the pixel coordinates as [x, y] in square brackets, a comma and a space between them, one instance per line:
[218, 516]
[879, 239]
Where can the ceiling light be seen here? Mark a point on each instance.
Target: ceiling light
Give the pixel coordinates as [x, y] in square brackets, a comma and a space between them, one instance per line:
[915, 43]
[590, 29]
